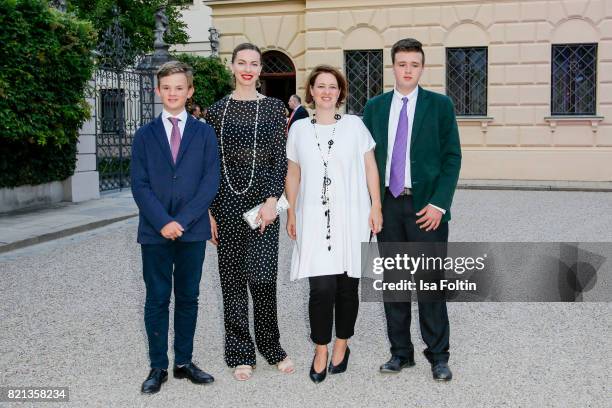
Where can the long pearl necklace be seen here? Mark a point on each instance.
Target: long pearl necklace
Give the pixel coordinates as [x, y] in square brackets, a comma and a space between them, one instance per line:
[227, 177]
[326, 180]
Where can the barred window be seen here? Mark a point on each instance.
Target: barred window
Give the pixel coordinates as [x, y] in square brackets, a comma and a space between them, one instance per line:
[574, 79]
[275, 62]
[466, 80]
[364, 73]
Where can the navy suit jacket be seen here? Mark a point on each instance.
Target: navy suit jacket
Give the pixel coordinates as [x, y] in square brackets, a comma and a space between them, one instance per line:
[300, 113]
[180, 192]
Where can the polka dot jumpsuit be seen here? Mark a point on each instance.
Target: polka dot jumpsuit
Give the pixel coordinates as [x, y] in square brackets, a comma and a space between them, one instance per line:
[246, 257]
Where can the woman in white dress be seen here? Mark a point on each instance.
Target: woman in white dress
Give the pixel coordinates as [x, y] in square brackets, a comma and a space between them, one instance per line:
[333, 192]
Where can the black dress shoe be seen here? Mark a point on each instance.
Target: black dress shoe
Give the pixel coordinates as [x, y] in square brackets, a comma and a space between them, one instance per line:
[317, 377]
[441, 372]
[396, 363]
[340, 368]
[153, 383]
[193, 373]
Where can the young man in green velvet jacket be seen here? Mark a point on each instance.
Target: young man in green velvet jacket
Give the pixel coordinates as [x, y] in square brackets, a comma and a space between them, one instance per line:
[419, 156]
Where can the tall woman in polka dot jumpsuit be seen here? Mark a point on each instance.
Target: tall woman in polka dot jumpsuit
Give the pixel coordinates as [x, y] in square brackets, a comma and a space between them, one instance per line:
[251, 136]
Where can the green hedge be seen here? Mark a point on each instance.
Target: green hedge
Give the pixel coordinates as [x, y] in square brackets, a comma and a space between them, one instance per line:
[211, 78]
[45, 64]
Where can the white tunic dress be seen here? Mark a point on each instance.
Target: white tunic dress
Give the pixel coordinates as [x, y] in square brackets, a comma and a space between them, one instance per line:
[348, 192]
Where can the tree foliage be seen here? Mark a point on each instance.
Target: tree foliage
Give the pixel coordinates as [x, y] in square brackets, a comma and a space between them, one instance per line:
[137, 18]
[211, 78]
[45, 64]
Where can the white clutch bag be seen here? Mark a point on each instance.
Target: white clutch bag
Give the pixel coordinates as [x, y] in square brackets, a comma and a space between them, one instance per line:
[251, 216]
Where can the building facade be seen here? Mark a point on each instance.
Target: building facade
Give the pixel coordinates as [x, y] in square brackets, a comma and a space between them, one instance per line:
[197, 18]
[531, 80]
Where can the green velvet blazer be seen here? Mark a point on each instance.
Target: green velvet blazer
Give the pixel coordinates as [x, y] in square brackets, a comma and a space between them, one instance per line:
[435, 150]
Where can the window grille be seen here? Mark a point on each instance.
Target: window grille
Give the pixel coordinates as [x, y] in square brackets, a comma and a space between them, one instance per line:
[574, 79]
[466, 80]
[275, 62]
[364, 73]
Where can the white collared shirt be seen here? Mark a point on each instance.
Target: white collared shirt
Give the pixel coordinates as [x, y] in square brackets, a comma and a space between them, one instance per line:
[168, 125]
[396, 107]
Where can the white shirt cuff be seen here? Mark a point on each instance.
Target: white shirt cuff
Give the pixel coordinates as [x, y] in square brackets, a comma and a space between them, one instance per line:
[442, 210]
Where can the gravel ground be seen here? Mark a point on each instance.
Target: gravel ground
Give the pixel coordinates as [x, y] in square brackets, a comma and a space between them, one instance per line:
[71, 315]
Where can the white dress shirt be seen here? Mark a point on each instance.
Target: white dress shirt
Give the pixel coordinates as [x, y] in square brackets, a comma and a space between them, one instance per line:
[168, 125]
[396, 108]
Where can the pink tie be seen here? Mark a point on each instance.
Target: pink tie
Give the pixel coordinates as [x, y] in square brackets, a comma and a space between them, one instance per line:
[289, 120]
[175, 138]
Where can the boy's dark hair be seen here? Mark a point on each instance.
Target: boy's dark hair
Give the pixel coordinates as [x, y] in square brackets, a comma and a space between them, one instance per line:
[407, 45]
[320, 69]
[175, 67]
[245, 46]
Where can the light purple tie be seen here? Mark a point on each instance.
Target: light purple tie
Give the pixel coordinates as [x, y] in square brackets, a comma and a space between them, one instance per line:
[175, 138]
[398, 158]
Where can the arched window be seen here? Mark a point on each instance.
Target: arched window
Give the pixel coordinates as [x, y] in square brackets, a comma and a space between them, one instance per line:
[277, 75]
[277, 64]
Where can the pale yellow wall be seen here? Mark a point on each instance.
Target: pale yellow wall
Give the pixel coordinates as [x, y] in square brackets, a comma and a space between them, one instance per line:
[272, 25]
[516, 141]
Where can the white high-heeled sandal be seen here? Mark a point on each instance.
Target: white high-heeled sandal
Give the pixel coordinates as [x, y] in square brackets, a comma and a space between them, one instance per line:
[286, 366]
[243, 372]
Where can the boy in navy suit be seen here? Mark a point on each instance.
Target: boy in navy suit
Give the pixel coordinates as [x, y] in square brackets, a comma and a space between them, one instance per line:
[175, 177]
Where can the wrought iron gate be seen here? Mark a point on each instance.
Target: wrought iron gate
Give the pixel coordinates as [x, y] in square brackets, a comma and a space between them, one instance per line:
[124, 101]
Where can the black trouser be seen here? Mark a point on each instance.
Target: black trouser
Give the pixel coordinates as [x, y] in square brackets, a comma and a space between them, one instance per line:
[161, 264]
[248, 259]
[400, 225]
[325, 292]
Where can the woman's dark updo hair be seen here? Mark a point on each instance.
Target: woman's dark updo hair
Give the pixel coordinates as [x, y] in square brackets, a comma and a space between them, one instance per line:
[245, 46]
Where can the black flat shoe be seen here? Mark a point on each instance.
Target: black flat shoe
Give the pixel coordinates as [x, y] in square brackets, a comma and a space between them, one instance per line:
[441, 372]
[317, 377]
[156, 378]
[193, 373]
[395, 364]
[340, 368]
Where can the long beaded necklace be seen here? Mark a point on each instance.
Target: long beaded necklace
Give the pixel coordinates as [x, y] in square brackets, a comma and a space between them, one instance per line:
[326, 180]
[227, 177]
